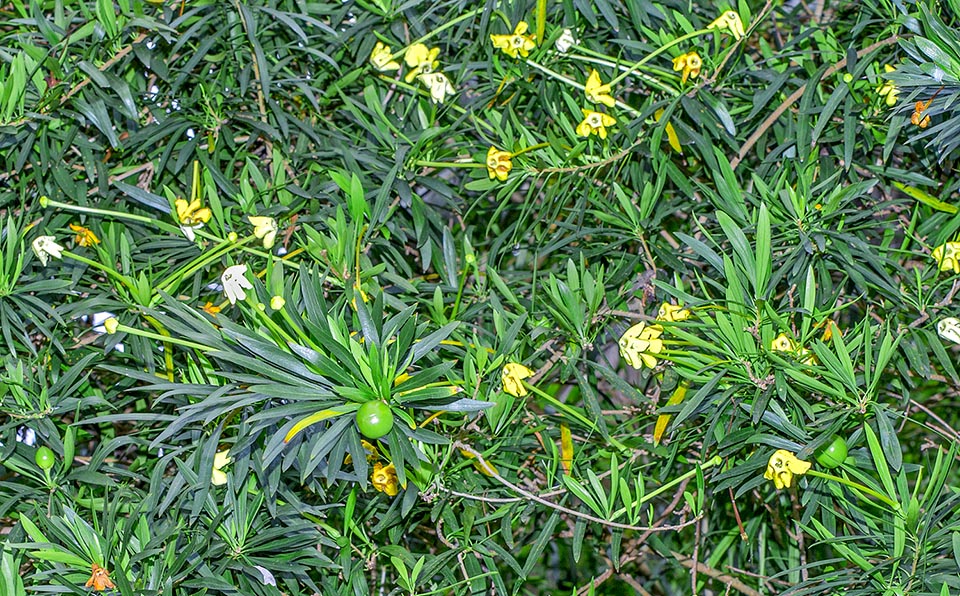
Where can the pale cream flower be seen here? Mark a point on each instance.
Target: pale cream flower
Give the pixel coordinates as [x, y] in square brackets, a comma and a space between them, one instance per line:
[235, 282]
[45, 247]
[438, 84]
[220, 460]
[265, 228]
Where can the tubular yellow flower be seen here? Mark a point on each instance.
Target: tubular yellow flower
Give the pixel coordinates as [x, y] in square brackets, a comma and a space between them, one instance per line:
[888, 90]
[265, 228]
[595, 123]
[438, 84]
[512, 377]
[99, 579]
[421, 60]
[516, 43]
[498, 163]
[639, 343]
[84, 236]
[218, 477]
[382, 58]
[190, 214]
[384, 479]
[782, 343]
[210, 308]
[598, 92]
[783, 466]
[947, 256]
[729, 21]
[690, 64]
[672, 313]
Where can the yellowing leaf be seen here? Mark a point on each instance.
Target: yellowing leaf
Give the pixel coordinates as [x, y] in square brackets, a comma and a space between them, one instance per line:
[664, 419]
[315, 418]
[566, 448]
[926, 199]
[484, 467]
[672, 137]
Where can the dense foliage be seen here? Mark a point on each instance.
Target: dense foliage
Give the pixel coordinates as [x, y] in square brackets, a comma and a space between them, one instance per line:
[479, 298]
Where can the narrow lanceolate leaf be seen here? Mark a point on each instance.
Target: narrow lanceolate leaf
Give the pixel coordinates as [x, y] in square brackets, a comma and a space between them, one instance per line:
[566, 448]
[317, 417]
[664, 419]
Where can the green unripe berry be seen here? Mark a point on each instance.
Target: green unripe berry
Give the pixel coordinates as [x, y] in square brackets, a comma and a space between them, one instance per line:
[374, 419]
[833, 454]
[44, 458]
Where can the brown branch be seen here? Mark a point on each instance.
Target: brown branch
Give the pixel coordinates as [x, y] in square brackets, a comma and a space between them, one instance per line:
[720, 576]
[796, 95]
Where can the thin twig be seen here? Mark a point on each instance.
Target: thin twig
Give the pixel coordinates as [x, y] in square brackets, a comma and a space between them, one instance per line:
[720, 576]
[795, 96]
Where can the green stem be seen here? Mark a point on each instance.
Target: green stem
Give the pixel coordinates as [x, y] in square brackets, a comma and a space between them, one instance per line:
[438, 31]
[575, 84]
[166, 339]
[715, 460]
[48, 202]
[856, 486]
[200, 262]
[573, 412]
[449, 164]
[605, 61]
[110, 272]
[659, 51]
[529, 149]
[423, 92]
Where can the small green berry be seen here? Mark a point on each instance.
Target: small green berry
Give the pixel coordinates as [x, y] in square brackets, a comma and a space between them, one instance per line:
[44, 458]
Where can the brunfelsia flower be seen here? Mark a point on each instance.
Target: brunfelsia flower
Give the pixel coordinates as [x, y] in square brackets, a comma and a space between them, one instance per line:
[690, 63]
[421, 60]
[565, 41]
[512, 377]
[672, 313]
[595, 123]
[438, 84]
[384, 479]
[597, 92]
[946, 255]
[729, 21]
[498, 163]
[888, 90]
[382, 58]
[235, 282]
[783, 466]
[221, 460]
[516, 43]
[949, 329]
[84, 236]
[639, 343]
[99, 579]
[45, 247]
[265, 228]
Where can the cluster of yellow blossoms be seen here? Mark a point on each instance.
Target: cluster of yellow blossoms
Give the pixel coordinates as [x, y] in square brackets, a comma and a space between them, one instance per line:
[422, 63]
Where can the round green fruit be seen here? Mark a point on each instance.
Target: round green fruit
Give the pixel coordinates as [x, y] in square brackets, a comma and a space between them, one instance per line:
[833, 454]
[374, 419]
[44, 458]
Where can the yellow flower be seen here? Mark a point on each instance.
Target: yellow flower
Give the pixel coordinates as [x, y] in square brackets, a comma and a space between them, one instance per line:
[265, 228]
[438, 84]
[218, 477]
[782, 343]
[515, 43]
[372, 454]
[690, 64]
[210, 308]
[598, 92]
[595, 123]
[382, 58]
[420, 60]
[639, 343]
[671, 313]
[730, 21]
[190, 214]
[782, 467]
[99, 579]
[948, 256]
[888, 89]
[84, 236]
[512, 377]
[498, 163]
[384, 479]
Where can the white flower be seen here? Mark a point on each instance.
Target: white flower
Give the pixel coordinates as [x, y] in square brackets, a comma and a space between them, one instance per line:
[949, 329]
[565, 41]
[438, 84]
[264, 227]
[45, 247]
[188, 231]
[235, 282]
